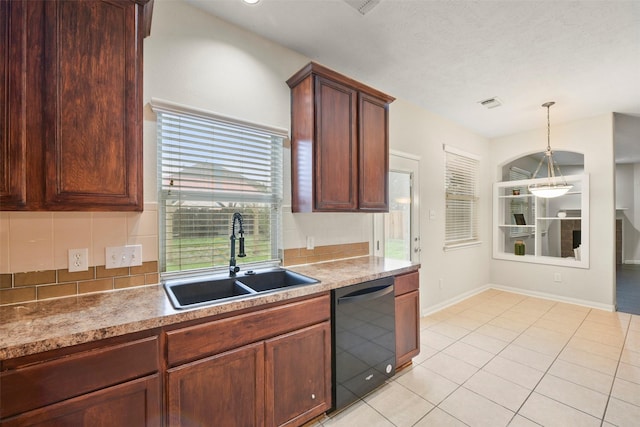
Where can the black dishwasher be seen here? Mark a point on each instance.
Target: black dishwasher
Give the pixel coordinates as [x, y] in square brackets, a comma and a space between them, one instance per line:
[364, 339]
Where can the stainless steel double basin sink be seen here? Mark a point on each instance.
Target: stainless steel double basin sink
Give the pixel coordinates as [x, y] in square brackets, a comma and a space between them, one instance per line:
[207, 290]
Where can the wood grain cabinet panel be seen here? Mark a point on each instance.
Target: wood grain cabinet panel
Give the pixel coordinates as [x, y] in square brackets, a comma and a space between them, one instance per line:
[222, 390]
[135, 403]
[13, 92]
[75, 86]
[298, 375]
[407, 317]
[340, 143]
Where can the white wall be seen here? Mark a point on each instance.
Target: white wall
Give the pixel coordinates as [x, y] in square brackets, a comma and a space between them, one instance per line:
[417, 131]
[196, 59]
[596, 286]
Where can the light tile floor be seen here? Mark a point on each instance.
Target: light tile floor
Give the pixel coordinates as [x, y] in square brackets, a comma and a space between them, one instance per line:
[503, 359]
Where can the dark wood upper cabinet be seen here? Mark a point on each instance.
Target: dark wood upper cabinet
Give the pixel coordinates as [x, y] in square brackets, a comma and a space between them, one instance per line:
[76, 81]
[340, 143]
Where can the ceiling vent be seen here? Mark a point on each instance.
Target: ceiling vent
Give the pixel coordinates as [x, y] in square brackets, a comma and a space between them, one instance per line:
[362, 6]
[491, 102]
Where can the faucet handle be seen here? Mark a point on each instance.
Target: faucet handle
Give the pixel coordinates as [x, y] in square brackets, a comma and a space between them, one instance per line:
[233, 269]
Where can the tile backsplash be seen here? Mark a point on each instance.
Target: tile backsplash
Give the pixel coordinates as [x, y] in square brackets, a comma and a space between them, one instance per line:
[34, 250]
[46, 284]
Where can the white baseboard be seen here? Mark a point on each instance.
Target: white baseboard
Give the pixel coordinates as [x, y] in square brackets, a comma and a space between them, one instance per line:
[632, 261]
[553, 297]
[434, 308]
[453, 301]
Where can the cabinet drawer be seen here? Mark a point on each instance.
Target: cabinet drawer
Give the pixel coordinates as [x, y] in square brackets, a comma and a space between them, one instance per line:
[198, 341]
[55, 380]
[407, 283]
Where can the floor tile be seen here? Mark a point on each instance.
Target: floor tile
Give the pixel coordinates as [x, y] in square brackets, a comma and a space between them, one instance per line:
[485, 342]
[574, 395]
[480, 316]
[468, 353]
[551, 413]
[622, 414]
[589, 360]
[435, 340]
[399, 405]
[510, 324]
[633, 341]
[498, 390]
[580, 375]
[465, 322]
[439, 418]
[448, 330]
[449, 367]
[549, 347]
[626, 391]
[497, 332]
[427, 384]
[425, 353]
[628, 372]
[595, 347]
[475, 410]
[513, 371]
[630, 357]
[358, 414]
[520, 421]
[527, 357]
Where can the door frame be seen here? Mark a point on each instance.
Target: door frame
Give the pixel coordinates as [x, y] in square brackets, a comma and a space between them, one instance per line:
[398, 161]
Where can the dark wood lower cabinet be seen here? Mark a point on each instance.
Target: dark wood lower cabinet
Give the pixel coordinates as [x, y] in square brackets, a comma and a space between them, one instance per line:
[298, 375]
[134, 403]
[407, 318]
[222, 390]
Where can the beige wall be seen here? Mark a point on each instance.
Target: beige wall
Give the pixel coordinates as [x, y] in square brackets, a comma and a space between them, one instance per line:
[594, 286]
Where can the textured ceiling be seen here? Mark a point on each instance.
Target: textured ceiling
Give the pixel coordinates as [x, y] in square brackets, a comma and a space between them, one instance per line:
[447, 55]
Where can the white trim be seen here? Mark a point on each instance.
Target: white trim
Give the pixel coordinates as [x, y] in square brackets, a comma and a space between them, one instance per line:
[173, 107]
[632, 261]
[553, 297]
[459, 152]
[461, 246]
[453, 301]
[405, 155]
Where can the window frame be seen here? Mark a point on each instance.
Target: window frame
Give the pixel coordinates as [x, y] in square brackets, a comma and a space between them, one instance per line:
[274, 198]
[469, 163]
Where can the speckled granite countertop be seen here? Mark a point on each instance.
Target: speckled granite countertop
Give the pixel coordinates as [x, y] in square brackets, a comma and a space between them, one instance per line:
[45, 325]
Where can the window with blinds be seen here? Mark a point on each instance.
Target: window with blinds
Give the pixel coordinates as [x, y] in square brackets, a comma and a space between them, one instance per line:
[210, 167]
[461, 192]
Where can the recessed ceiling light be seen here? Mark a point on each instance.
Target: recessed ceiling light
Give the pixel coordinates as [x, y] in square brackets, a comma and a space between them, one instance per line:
[251, 1]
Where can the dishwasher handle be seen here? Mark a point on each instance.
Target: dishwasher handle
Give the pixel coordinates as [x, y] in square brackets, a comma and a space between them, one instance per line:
[366, 294]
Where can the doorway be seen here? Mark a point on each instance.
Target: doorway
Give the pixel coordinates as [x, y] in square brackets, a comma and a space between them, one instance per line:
[396, 233]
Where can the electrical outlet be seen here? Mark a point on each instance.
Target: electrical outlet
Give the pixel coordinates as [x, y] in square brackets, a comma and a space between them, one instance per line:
[310, 242]
[78, 260]
[123, 256]
[557, 277]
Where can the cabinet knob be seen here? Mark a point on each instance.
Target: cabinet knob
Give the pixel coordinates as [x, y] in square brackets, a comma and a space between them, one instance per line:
[313, 396]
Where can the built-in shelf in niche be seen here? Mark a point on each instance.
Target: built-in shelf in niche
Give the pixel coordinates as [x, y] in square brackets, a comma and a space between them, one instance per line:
[538, 225]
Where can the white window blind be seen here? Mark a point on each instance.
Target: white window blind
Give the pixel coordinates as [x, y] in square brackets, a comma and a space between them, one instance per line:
[208, 169]
[461, 191]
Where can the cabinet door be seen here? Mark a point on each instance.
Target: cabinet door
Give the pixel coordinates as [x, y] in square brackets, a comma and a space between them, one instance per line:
[222, 390]
[93, 137]
[298, 375]
[134, 403]
[407, 327]
[373, 155]
[336, 147]
[13, 62]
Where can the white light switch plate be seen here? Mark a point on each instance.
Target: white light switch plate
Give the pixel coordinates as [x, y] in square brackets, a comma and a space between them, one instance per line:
[123, 256]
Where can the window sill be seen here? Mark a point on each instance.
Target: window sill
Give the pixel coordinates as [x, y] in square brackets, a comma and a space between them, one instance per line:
[462, 246]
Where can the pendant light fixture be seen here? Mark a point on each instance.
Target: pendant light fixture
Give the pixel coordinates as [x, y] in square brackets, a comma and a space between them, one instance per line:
[555, 185]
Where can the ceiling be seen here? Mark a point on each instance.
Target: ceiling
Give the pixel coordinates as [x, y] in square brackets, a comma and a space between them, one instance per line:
[446, 56]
